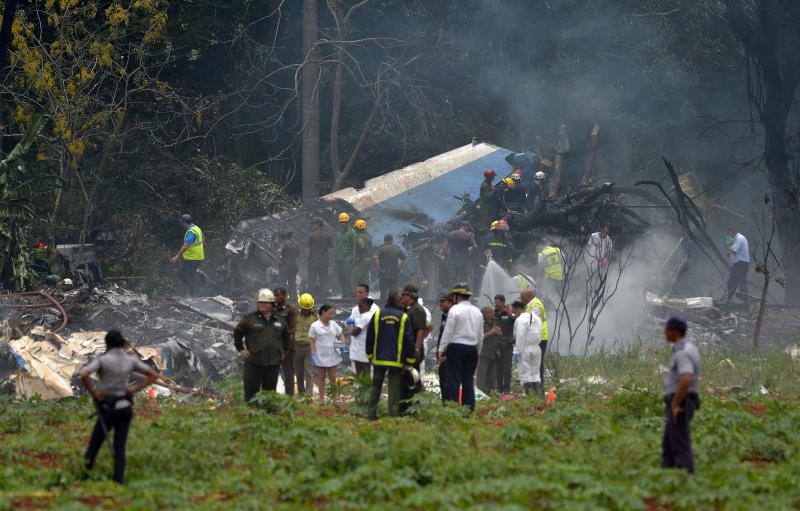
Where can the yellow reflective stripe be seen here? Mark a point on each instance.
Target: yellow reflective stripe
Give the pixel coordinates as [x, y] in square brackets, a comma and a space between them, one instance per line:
[376, 318]
[400, 338]
[496, 244]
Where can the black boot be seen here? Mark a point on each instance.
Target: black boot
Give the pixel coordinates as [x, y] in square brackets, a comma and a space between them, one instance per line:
[527, 387]
[537, 388]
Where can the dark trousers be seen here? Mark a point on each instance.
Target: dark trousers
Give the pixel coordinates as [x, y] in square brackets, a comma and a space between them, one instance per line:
[442, 378]
[387, 284]
[676, 447]
[257, 378]
[737, 278]
[303, 370]
[407, 391]
[543, 346]
[187, 273]
[362, 368]
[318, 279]
[461, 363]
[287, 277]
[344, 271]
[394, 384]
[458, 271]
[487, 372]
[120, 422]
[505, 358]
[287, 367]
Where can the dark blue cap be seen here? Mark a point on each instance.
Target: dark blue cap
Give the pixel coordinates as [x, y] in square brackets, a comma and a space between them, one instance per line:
[187, 219]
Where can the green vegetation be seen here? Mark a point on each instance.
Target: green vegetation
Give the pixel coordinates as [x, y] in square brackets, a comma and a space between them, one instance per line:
[597, 447]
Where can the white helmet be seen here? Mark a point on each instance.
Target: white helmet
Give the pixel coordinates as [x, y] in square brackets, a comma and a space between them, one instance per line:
[539, 176]
[265, 295]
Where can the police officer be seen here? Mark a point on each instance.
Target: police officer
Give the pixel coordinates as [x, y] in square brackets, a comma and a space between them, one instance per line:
[680, 396]
[445, 303]
[288, 255]
[190, 255]
[363, 254]
[287, 312]
[390, 347]
[390, 261]
[262, 339]
[409, 299]
[345, 254]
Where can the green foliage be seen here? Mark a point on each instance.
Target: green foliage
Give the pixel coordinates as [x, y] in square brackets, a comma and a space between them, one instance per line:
[592, 449]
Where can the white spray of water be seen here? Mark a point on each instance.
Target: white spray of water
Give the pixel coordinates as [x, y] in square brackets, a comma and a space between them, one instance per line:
[496, 281]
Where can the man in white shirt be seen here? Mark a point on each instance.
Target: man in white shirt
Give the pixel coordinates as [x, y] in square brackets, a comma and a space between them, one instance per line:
[358, 321]
[528, 333]
[459, 347]
[598, 249]
[739, 254]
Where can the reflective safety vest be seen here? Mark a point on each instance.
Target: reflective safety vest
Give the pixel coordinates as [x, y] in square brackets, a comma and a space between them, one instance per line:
[380, 357]
[536, 302]
[553, 263]
[195, 250]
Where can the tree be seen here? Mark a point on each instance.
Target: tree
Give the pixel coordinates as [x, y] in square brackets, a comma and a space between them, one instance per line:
[769, 31]
[310, 106]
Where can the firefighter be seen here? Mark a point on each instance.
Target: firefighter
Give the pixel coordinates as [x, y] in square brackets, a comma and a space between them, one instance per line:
[363, 254]
[499, 204]
[485, 198]
[262, 339]
[345, 253]
[498, 246]
[516, 197]
[390, 347]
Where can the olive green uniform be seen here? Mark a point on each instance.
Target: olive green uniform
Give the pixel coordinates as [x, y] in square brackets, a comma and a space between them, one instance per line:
[345, 256]
[363, 258]
[288, 314]
[486, 202]
[267, 340]
[303, 369]
[419, 321]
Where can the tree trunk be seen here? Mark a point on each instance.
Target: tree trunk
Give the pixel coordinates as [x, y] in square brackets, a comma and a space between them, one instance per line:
[562, 147]
[762, 303]
[587, 173]
[310, 102]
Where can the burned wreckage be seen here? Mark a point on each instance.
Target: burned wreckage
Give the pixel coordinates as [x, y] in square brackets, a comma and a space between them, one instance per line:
[188, 339]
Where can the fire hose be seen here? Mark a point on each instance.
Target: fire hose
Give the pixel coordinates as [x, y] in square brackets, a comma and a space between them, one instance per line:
[57, 303]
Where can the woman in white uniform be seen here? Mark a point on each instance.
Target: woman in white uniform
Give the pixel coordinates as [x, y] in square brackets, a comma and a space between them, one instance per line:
[322, 338]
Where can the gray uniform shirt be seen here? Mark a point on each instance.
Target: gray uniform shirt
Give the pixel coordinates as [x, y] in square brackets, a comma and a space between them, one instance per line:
[113, 369]
[685, 360]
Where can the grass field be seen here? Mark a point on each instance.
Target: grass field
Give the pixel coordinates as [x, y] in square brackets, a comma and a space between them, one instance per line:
[596, 447]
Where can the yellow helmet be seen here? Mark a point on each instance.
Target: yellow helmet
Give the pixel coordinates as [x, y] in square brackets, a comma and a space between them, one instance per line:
[360, 224]
[265, 295]
[344, 217]
[306, 301]
[493, 226]
[509, 183]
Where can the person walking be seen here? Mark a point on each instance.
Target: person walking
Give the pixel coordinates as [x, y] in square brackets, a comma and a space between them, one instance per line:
[363, 254]
[303, 368]
[739, 254]
[459, 346]
[445, 304]
[287, 312]
[322, 337]
[504, 318]
[190, 255]
[359, 317]
[487, 356]
[345, 254]
[457, 251]
[390, 347]
[318, 255]
[288, 255]
[113, 398]
[262, 340]
[527, 332]
[598, 250]
[681, 399]
[390, 261]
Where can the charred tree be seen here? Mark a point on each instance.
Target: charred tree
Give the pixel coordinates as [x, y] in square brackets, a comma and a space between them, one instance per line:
[769, 32]
[562, 147]
[587, 173]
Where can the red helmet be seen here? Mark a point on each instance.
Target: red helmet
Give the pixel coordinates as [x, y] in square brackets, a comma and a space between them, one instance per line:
[502, 225]
[489, 173]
